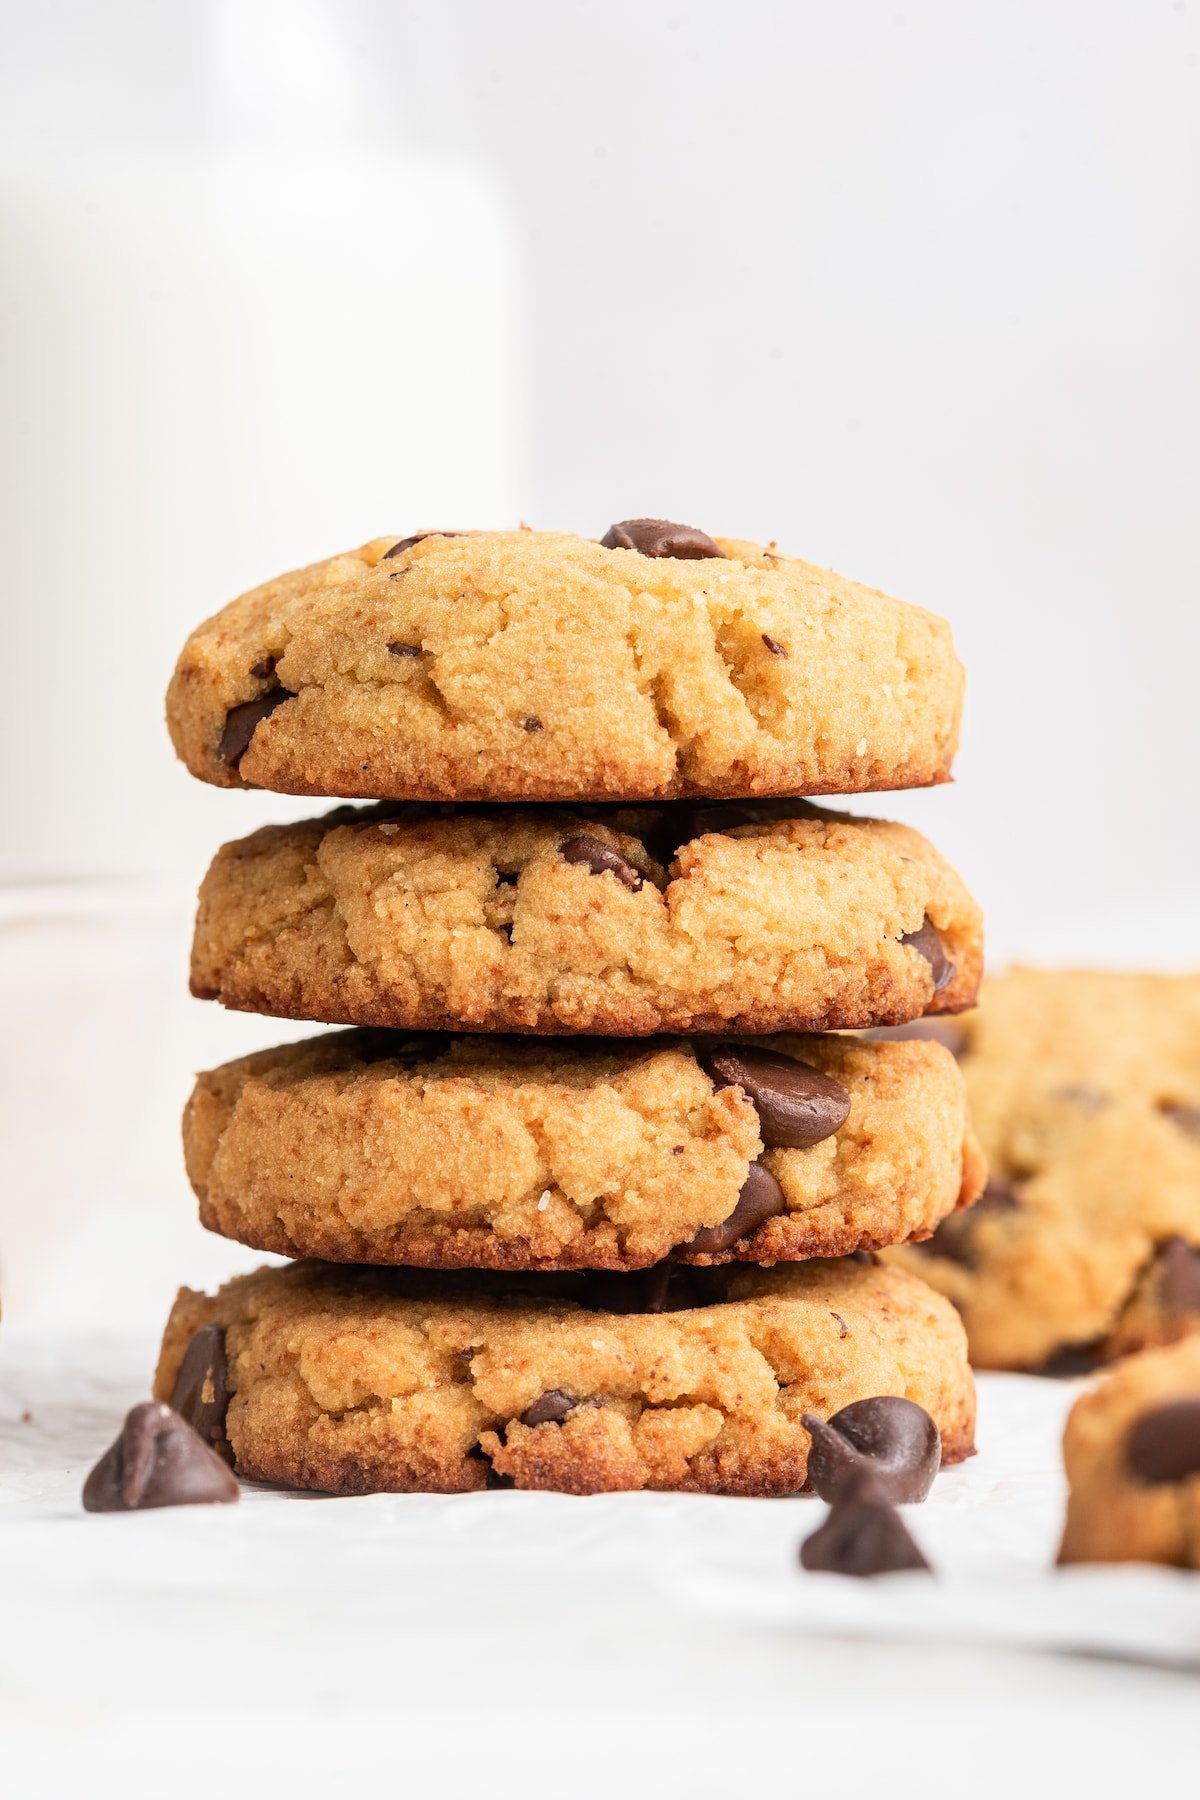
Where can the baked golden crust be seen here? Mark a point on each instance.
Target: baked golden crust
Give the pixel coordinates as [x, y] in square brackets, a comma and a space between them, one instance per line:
[541, 666]
[353, 1381]
[1113, 1515]
[476, 920]
[522, 1154]
[1084, 1088]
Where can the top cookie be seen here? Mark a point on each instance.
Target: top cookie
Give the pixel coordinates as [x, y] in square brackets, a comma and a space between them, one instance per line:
[527, 665]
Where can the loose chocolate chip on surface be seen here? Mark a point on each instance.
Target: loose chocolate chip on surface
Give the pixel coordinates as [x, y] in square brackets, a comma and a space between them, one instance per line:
[158, 1460]
[404, 649]
[892, 1439]
[761, 1199]
[264, 668]
[548, 1408]
[863, 1535]
[1179, 1276]
[417, 538]
[1186, 1117]
[773, 645]
[929, 945]
[599, 858]
[954, 1237]
[242, 721]
[1164, 1445]
[797, 1106]
[201, 1391]
[659, 537]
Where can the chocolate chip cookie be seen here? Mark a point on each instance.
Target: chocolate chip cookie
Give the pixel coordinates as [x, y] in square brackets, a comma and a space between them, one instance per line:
[620, 921]
[1084, 1089]
[354, 1381]
[528, 665]
[1132, 1454]
[506, 1153]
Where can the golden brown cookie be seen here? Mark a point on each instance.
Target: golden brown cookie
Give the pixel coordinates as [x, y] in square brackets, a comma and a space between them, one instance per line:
[1084, 1088]
[354, 1381]
[511, 1153]
[614, 921]
[1132, 1454]
[523, 665]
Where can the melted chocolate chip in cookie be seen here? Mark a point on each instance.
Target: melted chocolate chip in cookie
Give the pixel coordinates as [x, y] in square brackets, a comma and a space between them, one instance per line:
[1164, 1445]
[158, 1460]
[549, 1408]
[1179, 1276]
[659, 537]
[241, 722]
[797, 1106]
[761, 1199]
[599, 858]
[201, 1391]
[417, 538]
[926, 941]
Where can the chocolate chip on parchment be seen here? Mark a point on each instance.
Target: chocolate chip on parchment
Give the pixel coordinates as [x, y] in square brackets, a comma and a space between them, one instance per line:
[158, 1460]
[201, 1391]
[797, 1106]
[659, 537]
[399, 649]
[928, 944]
[264, 668]
[548, 1408]
[418, 537]
[241, 722]
[893, 1440]
[761, 1199]
[1164, 1445]
[1179, 1276]
[862, 1535]
[600, 858]
[773, 645]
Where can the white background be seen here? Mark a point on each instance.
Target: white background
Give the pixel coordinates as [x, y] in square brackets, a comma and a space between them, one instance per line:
[910, 287]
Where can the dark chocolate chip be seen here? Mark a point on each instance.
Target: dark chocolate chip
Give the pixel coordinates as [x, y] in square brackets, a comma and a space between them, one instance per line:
[928, 944]
[600, 858]
[761, 1199]
[1179, 1276]
[242, 721]
[264, 668]
[892, 1439]
[158, 1460]
[862, 1535]
[797, 1106]
[940, 1030]
[954, 1237]
[404, 649]
[1186, 1117]
[201, 1391]
[532, 723]
[549, 1408]
[417, 538]
[1164, 1445]
[773, 645]
[658, 537]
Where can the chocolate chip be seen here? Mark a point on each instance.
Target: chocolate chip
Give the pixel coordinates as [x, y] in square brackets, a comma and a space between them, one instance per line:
[773, 645]
[928, 944]
[954, 1237]
[1164, 1445]
[1179, 1276]
[264, 668]
[549, 1408]
[158, 1460]
[761, 1199]
[242, 721]
[862, 1535]
[1186, 1117]
[658, 537]
[797, 1106]
[201, 1391]
[939, 1030]
[404, 649]
[600, 858]
[417, 538]
[532, 723]
[892, 1439]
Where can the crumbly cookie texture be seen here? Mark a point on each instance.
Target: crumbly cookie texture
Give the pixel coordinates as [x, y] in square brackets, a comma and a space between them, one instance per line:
[497, 921]
[523, 665]
[366, 1380]
[521, 1154]
[1084, 1088]
[1132, 1455]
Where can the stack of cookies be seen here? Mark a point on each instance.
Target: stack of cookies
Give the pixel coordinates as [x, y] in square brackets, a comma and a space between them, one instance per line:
[588, 1197]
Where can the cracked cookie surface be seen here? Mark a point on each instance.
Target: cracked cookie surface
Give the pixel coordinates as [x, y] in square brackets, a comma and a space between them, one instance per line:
[542, 666]
[355, 1381]
[1084, 1089]
[360, 1147]
[1132, 1456]
[621, 921]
